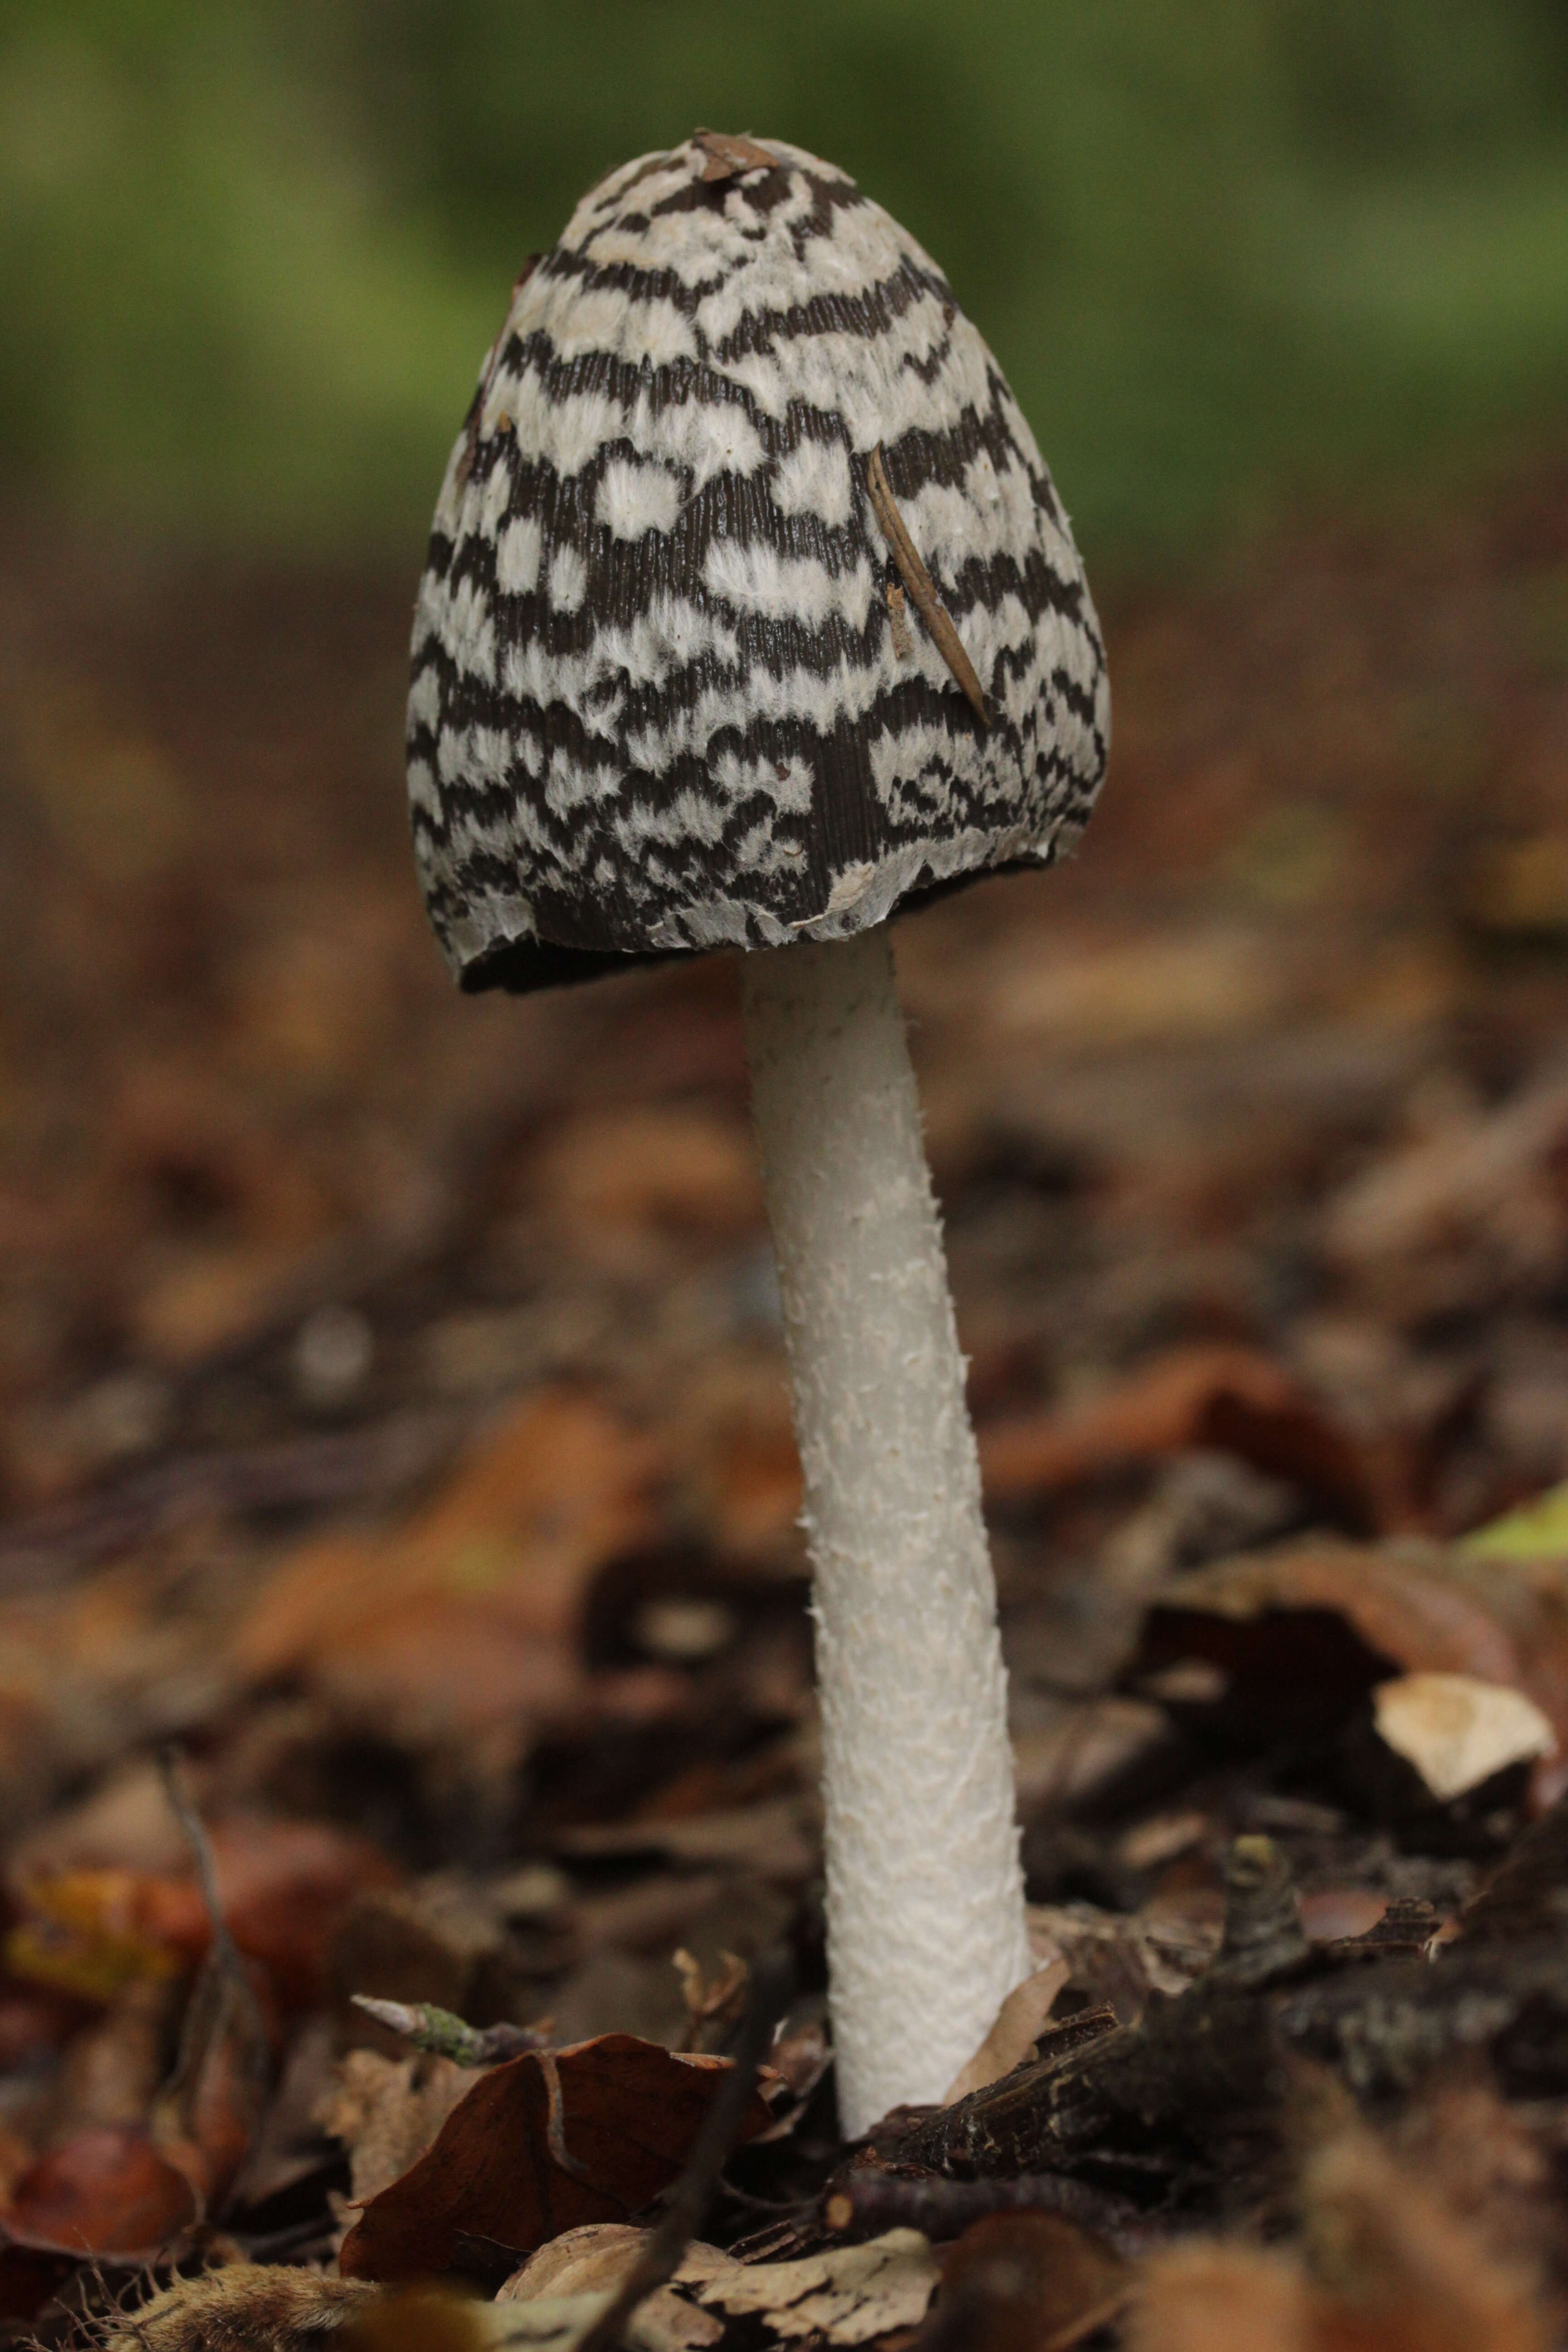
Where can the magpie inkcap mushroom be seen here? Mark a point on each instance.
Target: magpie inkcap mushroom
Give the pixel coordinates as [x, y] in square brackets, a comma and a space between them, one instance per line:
[751, 616]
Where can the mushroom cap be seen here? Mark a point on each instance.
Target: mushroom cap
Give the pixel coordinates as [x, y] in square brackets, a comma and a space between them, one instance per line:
[668, 692]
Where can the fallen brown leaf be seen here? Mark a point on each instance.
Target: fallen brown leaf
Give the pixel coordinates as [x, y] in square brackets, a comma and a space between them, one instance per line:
[628, 2115]
[845, 2297]
[1020, 2022]
[105, 2191]
[1208, 2297]
[470, 1615]
[1457, 1732]
[1398, 2265]
[1233, 1398]
[1032, 2282]
[386, 2113]
[284, 1887]
[1300, 1632]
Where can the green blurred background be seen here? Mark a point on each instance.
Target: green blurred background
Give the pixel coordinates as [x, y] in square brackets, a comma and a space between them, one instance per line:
[1233, 253]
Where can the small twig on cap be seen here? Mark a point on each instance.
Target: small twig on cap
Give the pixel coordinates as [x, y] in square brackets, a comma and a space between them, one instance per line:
[899, 622]
[727, 155]
[664, 2249]
[922, 588]
[444, 2034]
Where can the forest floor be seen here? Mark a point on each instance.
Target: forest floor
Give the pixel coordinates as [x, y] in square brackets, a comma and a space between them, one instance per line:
[391, 1419]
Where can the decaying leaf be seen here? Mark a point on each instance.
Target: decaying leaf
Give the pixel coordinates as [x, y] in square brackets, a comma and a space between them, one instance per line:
[585, 2267]
[388, 2111]
[623, 2113]
[105, 2191]
[1019, 2023]
[579, 2261]
[1232, 1398]
[847, 2297]
[1031, 2283]
[1389, 2255]
[1208, 2297]
[284, 1887]
[470, 1613]
[1457, 1732]
[1299, 1634]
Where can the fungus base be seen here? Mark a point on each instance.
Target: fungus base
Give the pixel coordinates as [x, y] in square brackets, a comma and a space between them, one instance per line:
[925, 1899]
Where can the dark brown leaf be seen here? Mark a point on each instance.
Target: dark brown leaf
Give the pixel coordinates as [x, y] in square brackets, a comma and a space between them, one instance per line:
[629, 2113]
[1233, 1398]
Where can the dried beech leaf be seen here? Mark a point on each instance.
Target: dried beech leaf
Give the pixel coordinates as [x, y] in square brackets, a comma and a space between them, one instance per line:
[1205, 2298]
[1266, 1620]
[104, 2190]
[1392, 2255]
[1031, 2282]
[628, 2113]
[590, 2260]
[468, 1615]
[1020, 2022]
[388, 2111]
[1458, 1731]
[284, 1886]
[847, 2297]
[1233, 1399]
[664, 2321]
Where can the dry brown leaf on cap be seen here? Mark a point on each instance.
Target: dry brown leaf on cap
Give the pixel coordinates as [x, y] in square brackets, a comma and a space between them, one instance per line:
[542, 2144]
[1459, 1732]
[1020, 2022]
[1231, 1398]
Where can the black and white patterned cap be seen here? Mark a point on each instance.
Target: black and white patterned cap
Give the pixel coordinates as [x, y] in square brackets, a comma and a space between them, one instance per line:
[750, 612]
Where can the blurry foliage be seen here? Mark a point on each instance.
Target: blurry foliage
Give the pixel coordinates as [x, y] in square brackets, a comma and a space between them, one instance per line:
[250, 257]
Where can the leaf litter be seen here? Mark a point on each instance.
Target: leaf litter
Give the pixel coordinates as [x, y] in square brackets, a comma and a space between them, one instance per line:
[394, 1414]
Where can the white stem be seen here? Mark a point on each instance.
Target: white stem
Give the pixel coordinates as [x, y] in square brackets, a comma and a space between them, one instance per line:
[925, 1897]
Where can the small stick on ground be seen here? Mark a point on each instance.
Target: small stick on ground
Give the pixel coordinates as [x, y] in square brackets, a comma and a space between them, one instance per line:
[920, 585]
[771, 1982]
[223, 1997]
[444, 2034]
[868, 2203]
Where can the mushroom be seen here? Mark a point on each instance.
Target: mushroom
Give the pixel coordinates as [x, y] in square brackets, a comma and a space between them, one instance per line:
[751, 616]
